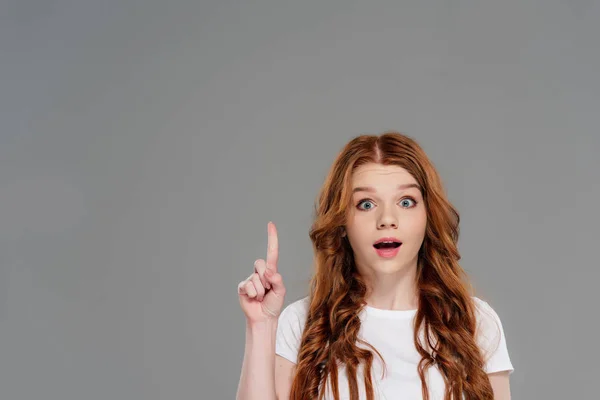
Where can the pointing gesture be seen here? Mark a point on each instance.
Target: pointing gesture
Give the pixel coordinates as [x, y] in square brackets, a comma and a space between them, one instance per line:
[272, 247]
[261, 295]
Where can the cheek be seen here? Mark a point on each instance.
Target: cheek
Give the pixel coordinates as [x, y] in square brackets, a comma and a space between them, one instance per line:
[414, 227]
[358, 236]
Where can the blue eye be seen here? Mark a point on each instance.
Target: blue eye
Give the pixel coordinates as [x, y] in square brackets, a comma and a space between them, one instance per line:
[404, 202]
[363, 202]
[409, 200]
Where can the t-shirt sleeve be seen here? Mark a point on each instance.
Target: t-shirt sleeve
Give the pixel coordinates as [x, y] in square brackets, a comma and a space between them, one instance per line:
[492, 340]
[289, 331]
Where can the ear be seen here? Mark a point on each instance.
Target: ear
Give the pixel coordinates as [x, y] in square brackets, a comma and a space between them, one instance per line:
[343, 232]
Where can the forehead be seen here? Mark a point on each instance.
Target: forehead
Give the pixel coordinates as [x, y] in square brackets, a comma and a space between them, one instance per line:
[380, 175]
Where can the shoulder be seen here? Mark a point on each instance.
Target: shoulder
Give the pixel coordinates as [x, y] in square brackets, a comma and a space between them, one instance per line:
[491, 337]
[298, 308]
[290, 327]
[486, 316]
[294, 315]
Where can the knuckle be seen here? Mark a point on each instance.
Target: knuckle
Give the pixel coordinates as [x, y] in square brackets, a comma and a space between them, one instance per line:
[257, 283]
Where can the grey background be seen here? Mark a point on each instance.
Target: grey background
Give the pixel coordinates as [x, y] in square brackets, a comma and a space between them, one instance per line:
[144, 145]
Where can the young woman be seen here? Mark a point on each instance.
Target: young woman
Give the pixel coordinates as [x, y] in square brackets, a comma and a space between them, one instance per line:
[391, 314]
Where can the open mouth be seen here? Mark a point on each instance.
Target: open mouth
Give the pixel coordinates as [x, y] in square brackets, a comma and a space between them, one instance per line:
[387, 245]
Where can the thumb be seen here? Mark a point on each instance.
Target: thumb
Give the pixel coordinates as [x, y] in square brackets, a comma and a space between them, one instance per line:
[276, 281]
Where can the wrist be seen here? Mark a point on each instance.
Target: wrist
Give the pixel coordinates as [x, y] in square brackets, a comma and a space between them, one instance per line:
[262, 326]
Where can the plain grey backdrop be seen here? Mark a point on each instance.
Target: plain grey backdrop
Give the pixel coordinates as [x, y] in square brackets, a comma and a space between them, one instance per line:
[144, 146]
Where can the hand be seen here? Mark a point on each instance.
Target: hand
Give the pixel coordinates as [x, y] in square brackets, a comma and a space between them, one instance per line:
[262, 294]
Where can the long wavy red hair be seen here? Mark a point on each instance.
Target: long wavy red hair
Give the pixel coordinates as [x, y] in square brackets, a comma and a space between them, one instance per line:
[445, 322]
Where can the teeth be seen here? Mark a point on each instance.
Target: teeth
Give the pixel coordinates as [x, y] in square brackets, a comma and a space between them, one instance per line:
[387, 243]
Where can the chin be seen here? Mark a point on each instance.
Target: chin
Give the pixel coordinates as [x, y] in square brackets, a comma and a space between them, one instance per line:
[387, 267]
[392, 269]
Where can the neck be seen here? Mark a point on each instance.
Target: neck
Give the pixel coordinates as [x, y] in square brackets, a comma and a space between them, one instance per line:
[396, 291]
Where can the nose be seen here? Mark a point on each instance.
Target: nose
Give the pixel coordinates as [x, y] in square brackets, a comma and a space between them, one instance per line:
[384, 225]
[387, 220]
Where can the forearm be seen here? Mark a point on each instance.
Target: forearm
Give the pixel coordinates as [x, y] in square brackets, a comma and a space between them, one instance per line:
[257, 379]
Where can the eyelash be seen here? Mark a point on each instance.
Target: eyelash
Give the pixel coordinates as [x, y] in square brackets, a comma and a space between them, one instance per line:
[404, 198]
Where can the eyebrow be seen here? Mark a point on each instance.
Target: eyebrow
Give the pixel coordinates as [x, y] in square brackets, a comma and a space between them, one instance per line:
[371, 190]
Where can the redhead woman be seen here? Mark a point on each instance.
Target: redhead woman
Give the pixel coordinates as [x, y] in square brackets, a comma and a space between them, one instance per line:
[390, 314]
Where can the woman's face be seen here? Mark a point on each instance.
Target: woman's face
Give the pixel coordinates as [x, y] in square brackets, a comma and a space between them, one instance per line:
[386, 202]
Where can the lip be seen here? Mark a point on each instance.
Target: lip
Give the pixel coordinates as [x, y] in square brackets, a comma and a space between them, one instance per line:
[388, 253]
[388, 239]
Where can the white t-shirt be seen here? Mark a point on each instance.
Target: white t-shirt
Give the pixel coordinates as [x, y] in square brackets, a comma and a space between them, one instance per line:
[391, 333]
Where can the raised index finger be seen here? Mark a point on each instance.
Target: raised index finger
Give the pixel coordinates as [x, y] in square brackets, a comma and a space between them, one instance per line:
[272, 247]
